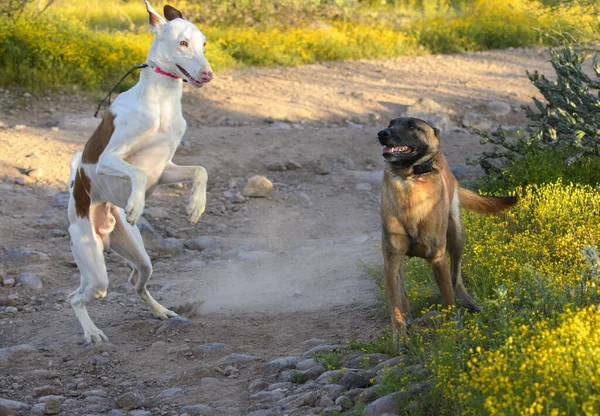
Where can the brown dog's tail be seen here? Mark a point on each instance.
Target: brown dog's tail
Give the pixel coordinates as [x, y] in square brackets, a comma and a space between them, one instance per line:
[484, 204]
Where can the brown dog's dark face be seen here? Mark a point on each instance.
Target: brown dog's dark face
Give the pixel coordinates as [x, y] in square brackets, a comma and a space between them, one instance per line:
[408, 140]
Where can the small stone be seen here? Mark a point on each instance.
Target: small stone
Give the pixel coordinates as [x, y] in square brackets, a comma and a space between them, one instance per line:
[258, 187]
[20, 180]
[170, 392]
[308, 399]
[20, 127]
[257, 385]
[322, 167]
[37, 409]
[326, 349]
[13, 404]
[283, 363]
[197, 410]
[212, 348]
[11, 309]
[44, 391]
[9, 282]
[35, 173]
[30, 281]
[54, 129]
[325, 401]
[364, 186]
[236, 359]
[201, 243]
[477, 121]
[10, 354]
[130, 400]
[313, 342]
[313, 372]
[331, 376]
[386, 404]
[499, 108]
[354, 380]
[52, 407]
[333, 390]
[140, 412]
[276, 167]
[306, 364]
[56, 233]
[177, 322]
[284, 385]
[24, 255]
[293, 165]
[344, 402]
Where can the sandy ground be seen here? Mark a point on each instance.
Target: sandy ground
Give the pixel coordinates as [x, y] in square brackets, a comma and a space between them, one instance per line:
[284, 269]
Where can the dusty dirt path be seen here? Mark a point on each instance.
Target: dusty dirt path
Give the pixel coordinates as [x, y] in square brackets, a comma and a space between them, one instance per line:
[282, 270]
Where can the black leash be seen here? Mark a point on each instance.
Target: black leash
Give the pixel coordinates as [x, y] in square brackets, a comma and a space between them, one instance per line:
[139, 66]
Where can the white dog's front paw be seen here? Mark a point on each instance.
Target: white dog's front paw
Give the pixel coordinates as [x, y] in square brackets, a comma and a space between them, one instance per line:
[195, 209]
[135, 208]
[94, 336]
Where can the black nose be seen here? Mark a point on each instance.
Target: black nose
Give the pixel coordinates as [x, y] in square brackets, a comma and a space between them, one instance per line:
[384, 134]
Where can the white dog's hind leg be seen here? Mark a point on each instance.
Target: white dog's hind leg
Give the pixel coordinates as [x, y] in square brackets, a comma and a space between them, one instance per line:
[126, 241]
[87, 248]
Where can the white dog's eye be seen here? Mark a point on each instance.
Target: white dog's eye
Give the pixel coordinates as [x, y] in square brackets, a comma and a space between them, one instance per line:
[183, 43]
[205, 44]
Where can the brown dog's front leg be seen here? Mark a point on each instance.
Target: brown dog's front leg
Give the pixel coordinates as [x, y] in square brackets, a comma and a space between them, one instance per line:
[394, 248]
[441, 271]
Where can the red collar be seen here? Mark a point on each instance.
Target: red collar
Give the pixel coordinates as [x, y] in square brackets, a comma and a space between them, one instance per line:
[160, 71]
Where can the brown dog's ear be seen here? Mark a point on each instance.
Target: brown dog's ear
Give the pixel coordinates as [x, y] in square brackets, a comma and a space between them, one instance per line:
[436, 131]
[172, 13]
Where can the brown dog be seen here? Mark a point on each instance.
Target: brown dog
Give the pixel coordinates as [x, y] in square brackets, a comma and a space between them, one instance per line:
[420, 212]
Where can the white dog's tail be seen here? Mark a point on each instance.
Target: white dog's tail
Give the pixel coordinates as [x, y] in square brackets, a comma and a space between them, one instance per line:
[73, 165]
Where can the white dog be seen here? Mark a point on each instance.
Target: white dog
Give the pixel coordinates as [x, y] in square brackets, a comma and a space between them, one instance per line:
[128, 155]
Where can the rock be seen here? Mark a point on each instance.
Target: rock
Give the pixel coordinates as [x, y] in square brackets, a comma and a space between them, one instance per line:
[201, 243]
[267, 396]
[24, 255]
[236, 359]
[35, 173]
[477, 121]
[325, 401]
[293, 165]
[20, 127]
[326, 349]
[322, 167]
[354, 380]
[365, 361]
[386, 404]
[37, 409]
[56, 233]
[330, 377]
[313, 342]
[52, 407]
[498, 108]
[306, 364]
[429, 111]
[308, 399]
[174, 391]
[284, 385]
[313, 372]
[175, 323]
[276, 167]
[333, 390]
[9, 282]
[212, 348]
[257, 385]
[283, 363]
[256, 256]
[458, 171]
[156, 212]
[392, 362]
[13, 404]
[364, 186]
[130, 400]
[235, 197]
[140, 413]
[9, 355]
[30, 281]
[344, 402]
[258, 187]
[197, 410]
[44, 391]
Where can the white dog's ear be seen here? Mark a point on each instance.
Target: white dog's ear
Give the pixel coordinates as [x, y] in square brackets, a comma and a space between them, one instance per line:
[172, 13]
[155, 19]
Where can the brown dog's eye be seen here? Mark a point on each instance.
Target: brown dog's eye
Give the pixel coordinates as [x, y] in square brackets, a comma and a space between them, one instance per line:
[183, 43]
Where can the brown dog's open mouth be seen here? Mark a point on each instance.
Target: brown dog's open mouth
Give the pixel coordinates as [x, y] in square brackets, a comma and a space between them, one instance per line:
[398, 150]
